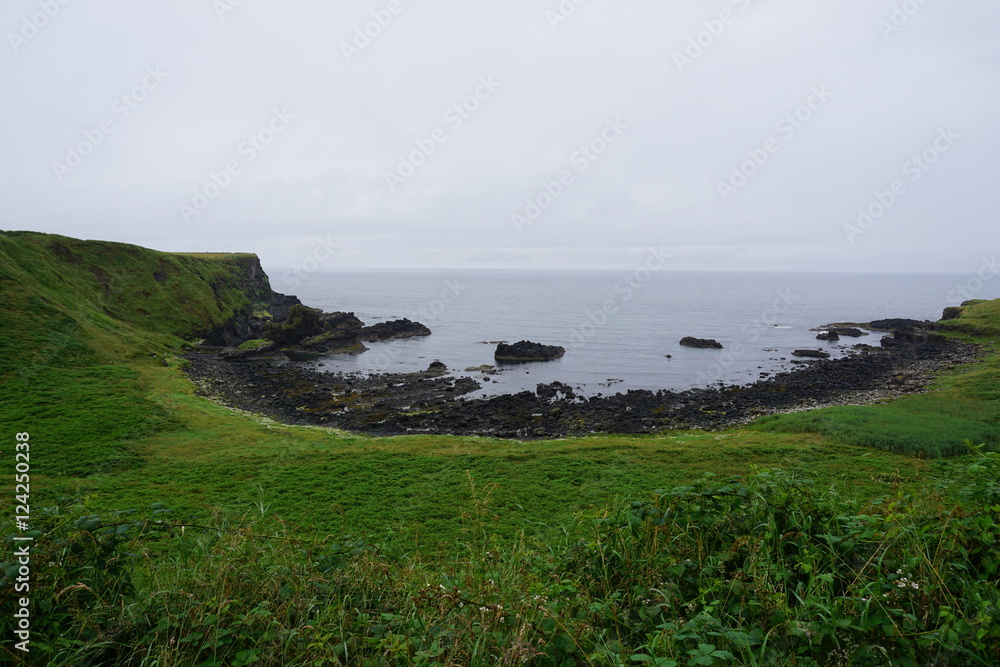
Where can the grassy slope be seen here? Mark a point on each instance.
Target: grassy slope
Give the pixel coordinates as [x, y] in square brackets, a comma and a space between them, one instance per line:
[79, 318]
[84, 369]
[961, 406]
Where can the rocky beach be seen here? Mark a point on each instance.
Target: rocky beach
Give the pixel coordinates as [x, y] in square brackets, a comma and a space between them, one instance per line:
[435, 401]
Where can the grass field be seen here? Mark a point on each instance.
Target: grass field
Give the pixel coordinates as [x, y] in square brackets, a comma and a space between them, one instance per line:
[321, 544]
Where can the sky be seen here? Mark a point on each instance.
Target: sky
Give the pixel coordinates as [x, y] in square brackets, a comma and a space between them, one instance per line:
[727, 135]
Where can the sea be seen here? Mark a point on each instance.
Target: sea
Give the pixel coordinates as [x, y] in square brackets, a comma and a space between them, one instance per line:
[621, 329]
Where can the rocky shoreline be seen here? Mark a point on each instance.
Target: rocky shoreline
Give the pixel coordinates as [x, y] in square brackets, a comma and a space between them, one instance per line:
[431, 401]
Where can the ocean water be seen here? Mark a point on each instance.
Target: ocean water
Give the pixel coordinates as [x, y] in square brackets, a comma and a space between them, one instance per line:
[620, 329]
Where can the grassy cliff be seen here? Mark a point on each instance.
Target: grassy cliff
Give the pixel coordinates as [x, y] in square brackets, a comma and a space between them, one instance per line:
[78, 317]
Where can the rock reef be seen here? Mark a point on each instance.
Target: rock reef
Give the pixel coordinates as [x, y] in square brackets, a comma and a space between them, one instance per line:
[702, 343]
[524, 350]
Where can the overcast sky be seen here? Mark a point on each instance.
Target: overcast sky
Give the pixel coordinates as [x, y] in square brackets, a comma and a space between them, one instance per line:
[735, 134]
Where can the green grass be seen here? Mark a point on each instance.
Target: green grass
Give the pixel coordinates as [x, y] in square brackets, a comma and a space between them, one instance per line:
[961, 406]
[772, 569]
[980, 318]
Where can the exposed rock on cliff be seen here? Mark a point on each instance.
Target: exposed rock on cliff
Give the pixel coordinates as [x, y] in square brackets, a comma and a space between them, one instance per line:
[265, 305]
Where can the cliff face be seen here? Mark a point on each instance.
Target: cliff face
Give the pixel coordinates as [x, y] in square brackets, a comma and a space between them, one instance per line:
[247, 278]
[105, 285]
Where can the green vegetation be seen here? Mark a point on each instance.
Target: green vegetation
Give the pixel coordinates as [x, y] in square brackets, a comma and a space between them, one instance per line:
[961, 406]
[256, 344]
[293, 545]
[932, 425]
[978, 318]
[767, 570]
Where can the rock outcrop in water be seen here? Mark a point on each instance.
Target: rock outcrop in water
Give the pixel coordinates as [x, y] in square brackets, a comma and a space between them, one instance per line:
[703, 343]
[393, 329]
[527, 351]
[812, 354]
[850, 332]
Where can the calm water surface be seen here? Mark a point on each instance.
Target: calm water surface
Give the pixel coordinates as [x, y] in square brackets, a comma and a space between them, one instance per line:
[618, 328]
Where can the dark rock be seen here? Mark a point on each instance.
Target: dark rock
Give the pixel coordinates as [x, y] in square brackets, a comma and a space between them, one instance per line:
[278, 305]
[828, 335]
[554, 389]
[545, 390]
[302, 323]
[902, 337]
[393, 329]
[344, 325]
[527, 351]
[893, 324]
[951, 313]
[301, 354]
[850, 332]
[333, 342]
[704, 343]
[437, 366]
[265, 304]
[814, 354]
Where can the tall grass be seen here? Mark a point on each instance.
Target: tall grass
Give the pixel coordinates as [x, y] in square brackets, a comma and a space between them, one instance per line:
[767, 570]
[924, 426]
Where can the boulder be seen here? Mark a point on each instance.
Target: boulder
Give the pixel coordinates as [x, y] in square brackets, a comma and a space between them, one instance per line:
[333, 342]
[437, 366]
[828, 335]
[554, 389]
[393, 329]
[302, 322]
[345, 325]
[850, 332]
[902, 337]
[813, 354]
[527, 351]
[704, 343]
